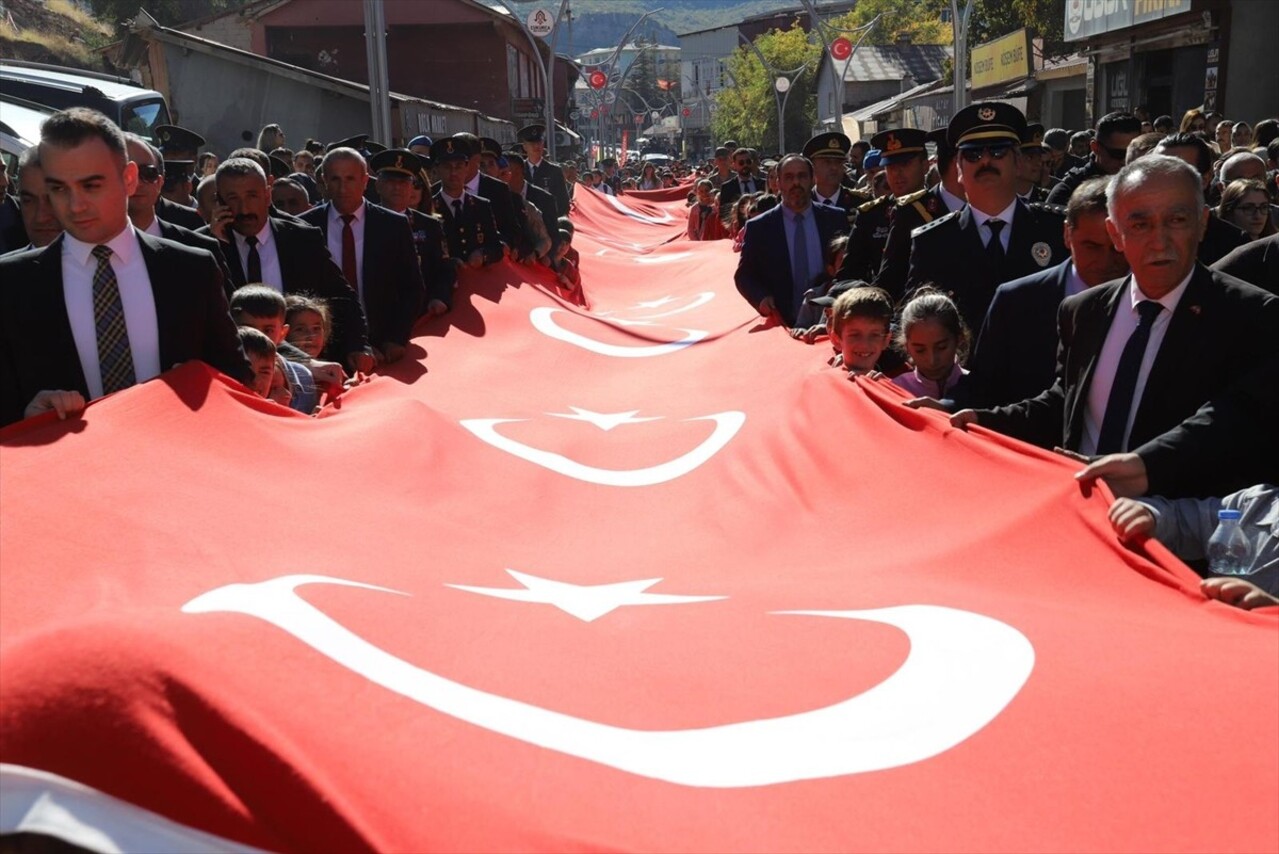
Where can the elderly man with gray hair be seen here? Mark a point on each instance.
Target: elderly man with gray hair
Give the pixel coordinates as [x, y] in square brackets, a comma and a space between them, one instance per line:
[1139, 355]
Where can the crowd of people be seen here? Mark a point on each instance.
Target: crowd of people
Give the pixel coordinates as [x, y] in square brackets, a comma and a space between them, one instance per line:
[1109, 293]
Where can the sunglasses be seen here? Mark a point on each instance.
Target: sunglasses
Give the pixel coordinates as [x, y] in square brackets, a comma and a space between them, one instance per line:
[996, 152]
[149, 173]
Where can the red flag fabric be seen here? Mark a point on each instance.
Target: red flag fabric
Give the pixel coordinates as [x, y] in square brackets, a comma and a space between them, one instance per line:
[644, 576]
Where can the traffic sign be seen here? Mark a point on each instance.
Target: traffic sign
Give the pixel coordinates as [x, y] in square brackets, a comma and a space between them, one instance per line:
[598, 79]
[540, 22]
[841, 48]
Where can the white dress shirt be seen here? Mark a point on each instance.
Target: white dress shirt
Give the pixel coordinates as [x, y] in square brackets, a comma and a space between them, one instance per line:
[268, 255]
[335, 243]
[1005, 233]
[1103, 377]
[136, 296]
[953, 202]
[154, 228]
[473, 185]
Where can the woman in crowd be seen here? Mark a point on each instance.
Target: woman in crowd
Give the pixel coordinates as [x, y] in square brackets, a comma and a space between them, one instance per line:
[1246, 204]
[1194, 121]
[270, 138]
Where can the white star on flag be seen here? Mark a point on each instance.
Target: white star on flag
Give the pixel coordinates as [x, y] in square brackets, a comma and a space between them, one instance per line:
[587, 602]
[603, 420]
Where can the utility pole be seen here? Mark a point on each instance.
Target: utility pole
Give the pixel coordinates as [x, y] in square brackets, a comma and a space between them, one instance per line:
[379, 85]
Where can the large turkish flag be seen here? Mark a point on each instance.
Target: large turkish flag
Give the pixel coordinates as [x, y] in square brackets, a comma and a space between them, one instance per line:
[642, 576]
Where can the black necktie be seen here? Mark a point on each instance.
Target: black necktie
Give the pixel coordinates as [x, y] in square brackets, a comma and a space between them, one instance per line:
[1115, 422]
[457, 208]
[254, 271]
[995, 248]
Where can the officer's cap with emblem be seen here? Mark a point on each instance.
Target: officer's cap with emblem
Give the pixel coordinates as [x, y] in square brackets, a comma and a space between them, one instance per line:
[357, 142]
[1032, 138]
[900, 144]
[532, 133]
[178, 145]
[444, 150]
[488, 145]
[986, 123]
[395, 162]
[828, 145]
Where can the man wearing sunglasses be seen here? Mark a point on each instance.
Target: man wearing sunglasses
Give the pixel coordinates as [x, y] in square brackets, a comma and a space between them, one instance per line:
[1109, 150]
[143, 201]
[996, 237]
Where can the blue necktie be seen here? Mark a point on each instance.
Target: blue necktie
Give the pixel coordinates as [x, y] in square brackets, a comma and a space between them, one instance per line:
[799, 259]
[1114, 424]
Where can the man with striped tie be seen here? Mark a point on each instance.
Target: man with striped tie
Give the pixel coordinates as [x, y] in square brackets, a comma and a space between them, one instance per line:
[104, 306]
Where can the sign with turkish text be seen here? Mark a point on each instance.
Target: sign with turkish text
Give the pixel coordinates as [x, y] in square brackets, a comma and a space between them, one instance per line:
[541, 22]
[1086, 18]
[1006, 58]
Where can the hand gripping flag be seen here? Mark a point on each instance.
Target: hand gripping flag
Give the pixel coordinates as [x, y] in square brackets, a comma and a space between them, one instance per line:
[643, 576]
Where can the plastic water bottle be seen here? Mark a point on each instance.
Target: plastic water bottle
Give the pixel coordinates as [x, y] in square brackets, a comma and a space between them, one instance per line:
[1229, 552]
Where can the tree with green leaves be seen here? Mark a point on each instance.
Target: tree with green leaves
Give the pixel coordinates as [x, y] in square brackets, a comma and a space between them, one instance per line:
[167, 12]
[747, 110]
[922, 21]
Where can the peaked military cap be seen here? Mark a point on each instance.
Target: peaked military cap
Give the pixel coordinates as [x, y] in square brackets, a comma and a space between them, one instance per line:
[940, 139]
[399, 161]
[177, 144]
[488, 145]
[986, 123]
[448, 148]
[1032, 138]
[532, 133]
[900, 143]
[373, 147]
[357, 142]
[832, 144]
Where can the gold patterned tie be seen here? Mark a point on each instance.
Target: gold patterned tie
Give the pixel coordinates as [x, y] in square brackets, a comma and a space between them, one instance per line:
[115, 358]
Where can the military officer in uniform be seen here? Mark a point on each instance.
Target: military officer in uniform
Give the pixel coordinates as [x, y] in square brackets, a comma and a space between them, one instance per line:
[180, 148]
[829, 153]
[542, 172]
[919, 208]
[905, 162]
[395, 170]
[1030, 173]
[996, 237]
[468, 220]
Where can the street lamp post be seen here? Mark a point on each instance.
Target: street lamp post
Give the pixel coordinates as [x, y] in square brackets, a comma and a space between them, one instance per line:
[547, 74]
[837, 76]
[959, 23]
[782, 82]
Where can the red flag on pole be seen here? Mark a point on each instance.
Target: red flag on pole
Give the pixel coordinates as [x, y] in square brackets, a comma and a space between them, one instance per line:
[645, 576]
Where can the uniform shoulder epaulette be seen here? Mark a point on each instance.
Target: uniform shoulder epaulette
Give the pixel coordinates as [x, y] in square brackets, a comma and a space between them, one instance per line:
[910, 198]
[872, 204]
[1059, 210]
[928, 226]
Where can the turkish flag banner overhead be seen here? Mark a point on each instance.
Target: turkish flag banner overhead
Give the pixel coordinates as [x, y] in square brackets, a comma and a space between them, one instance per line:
[640, 576]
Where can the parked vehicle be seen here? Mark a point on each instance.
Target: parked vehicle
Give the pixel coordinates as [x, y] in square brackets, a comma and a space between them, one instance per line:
[129, 105]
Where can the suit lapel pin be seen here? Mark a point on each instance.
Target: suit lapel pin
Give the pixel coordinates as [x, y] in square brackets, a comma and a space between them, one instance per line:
[1042, 253]
[1194, 309]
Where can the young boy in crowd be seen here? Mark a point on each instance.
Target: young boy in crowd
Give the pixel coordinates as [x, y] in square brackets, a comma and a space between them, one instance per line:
[861, 322]
[260, 351]
[569, 276]
[264, 309]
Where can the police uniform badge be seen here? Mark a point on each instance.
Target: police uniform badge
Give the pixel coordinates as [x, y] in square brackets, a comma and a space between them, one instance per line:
[986, 113]
[1042, 253]
[893, 143]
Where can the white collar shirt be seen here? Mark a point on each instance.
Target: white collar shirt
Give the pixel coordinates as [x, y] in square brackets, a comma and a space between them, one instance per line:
[153, 228]
[1005, 233]
[335, 243]
[953, 202]
[268, 256]
[473, 185]
[1121, 329]
[136, 297]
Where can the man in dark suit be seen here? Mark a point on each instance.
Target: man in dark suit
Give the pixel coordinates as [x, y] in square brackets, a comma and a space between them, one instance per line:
[783, 250]
[102, 307]
[286, 254]
[1109, 149]
[917, 209]
[397, 170]
[39, 223]
[995, 238]
[13, 235]
[1016, 352]
[746, 181]
[542, 172]
[468, 220]
[1256, 263]
[1141, 354]
[829, 153]
[1220, 237]
[374, 247]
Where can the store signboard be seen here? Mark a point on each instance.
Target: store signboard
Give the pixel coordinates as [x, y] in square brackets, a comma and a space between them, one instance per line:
[1005, 58]
[1087, 18]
